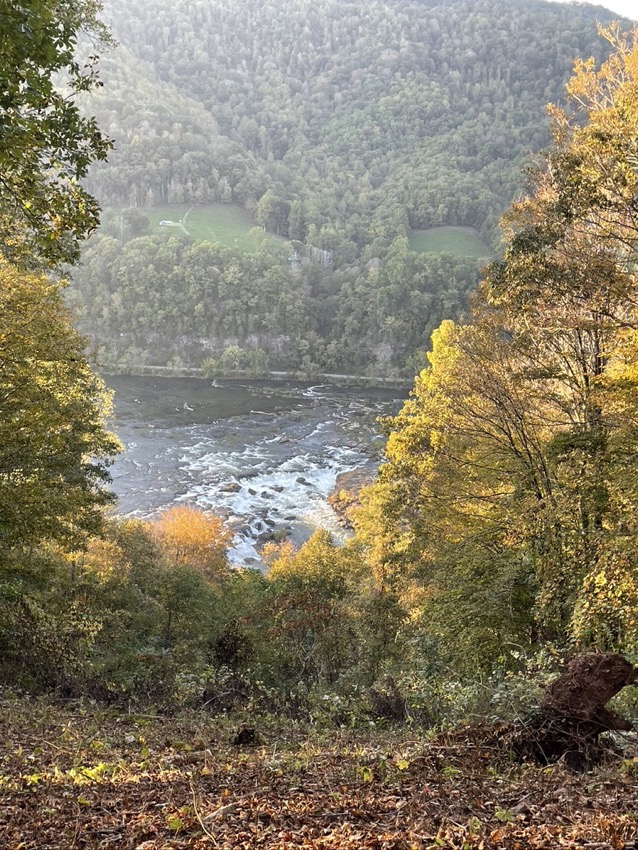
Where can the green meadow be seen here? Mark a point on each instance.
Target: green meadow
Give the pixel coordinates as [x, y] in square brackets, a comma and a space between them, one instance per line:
[460, 241]
[224, 223]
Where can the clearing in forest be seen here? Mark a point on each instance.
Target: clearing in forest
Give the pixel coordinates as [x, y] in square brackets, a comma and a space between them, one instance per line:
[460, 241]
[226, 224]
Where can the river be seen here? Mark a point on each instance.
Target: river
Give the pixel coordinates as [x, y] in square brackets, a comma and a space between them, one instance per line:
[263, 454]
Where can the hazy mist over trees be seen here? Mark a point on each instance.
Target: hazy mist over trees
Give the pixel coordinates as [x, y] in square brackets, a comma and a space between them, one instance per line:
[343, 130]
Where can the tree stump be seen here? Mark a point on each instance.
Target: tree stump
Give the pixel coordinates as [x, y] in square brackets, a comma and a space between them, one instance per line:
[573, 713]
[247, 736]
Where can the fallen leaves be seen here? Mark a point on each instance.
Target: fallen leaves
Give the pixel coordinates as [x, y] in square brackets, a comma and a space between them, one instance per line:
[177, 783]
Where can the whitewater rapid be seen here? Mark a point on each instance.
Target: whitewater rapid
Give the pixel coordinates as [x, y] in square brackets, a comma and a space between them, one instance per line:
[263, 455]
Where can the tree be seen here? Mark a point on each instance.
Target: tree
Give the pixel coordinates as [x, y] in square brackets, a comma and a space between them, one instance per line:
[190, 537]
[136, 222]
[46, 146]
[53, 447]
[509, 489]
[449, 509]
[310, 606]
[567, 295]
[271, 213]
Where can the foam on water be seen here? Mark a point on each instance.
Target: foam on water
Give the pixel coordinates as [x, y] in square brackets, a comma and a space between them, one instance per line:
[313, 392]
[273, 495]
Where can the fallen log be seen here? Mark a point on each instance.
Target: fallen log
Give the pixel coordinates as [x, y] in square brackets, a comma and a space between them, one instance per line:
[573, 714]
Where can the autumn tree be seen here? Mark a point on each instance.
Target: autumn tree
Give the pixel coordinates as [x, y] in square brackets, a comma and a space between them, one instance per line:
[566, 293]
[54, 456]
[509, 487]
[191, 537]
[54, 450]
[447, 514]
[310, 607]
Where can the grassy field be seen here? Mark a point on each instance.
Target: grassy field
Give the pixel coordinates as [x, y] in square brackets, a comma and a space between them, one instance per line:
[223, 223]
[461, 241]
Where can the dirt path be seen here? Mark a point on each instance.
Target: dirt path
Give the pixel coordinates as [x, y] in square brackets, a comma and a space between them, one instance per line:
[183, 221]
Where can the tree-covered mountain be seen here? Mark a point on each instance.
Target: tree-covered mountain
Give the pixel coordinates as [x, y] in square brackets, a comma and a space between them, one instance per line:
[343, 127]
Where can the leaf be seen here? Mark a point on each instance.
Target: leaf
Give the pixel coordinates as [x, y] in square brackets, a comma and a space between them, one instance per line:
[366, 774]
[449, 771]
[504, 815]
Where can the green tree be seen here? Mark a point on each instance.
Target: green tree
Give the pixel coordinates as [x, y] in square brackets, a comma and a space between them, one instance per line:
[46, 145]
[567, 295]
[509, 490]
[135, 221]
[53, 446]
[310, 607]
[449, 508]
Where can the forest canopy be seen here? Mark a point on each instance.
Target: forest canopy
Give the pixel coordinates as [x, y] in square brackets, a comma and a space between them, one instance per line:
[344, 131]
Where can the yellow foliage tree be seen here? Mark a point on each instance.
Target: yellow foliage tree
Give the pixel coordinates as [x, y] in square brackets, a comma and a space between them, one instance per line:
[54, 449]
[192, 537]
[509, 488]
[311, 605]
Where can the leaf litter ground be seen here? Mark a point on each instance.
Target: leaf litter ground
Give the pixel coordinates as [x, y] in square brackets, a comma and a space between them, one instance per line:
[78, 777]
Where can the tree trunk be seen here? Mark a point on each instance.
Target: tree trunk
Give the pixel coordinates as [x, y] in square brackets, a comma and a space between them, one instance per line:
[573, 713]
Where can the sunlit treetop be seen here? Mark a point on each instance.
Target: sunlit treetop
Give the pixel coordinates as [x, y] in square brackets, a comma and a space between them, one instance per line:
[54, 450]
[46, 145]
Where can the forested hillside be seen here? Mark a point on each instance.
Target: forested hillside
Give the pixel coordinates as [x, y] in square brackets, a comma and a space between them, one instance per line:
[343, 129]
[153, 696]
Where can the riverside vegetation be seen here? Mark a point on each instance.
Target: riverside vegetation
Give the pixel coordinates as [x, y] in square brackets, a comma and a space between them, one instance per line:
[498, 538]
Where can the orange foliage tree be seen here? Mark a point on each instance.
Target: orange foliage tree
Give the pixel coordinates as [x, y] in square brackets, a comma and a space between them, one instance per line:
[191, 537]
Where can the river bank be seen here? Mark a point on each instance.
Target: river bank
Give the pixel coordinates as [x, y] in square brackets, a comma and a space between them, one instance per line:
[341, 380]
